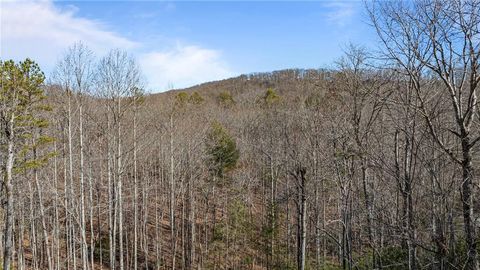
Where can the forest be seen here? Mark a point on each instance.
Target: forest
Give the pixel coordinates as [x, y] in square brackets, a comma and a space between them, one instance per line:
[370, 164]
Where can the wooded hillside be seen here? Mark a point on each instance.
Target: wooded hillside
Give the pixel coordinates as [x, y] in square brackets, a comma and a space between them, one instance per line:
[368, 165]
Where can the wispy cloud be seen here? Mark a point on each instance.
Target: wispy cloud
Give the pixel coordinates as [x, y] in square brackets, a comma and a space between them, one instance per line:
[42, 31]
[340, 12]
[182, 66]
[150, 14]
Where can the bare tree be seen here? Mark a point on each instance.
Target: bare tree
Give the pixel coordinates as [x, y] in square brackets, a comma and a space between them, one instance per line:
[438, 40]
[118, 77]
[75, 73]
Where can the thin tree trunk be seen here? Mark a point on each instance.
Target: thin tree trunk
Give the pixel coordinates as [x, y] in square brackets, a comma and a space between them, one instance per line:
[135, 186]
[42, 214]
[66, 203]
[272, 212]
[33, 231]
[368, 193]
[145, 222]
[57, 222]
[119, 182]
[301, 217]
[70, 166]
[82, 193]
[21, 255]
[111, 198]
[172, 197]
[91, 210]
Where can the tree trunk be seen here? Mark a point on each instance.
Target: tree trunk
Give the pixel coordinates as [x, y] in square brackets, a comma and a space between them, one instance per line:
[42, 212]
[369, 206]
[301, 217]
[8, 185]
[82, 194]
[135, 186]
[56, 247]
[172, 197]
[119, 183]
[467, 201]
[111, 198]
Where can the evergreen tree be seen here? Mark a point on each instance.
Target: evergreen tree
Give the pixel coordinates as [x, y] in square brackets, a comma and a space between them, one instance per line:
[21, 97]
[221, 149]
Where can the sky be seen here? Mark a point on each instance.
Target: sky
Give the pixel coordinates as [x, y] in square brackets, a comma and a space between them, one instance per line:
[182, 43]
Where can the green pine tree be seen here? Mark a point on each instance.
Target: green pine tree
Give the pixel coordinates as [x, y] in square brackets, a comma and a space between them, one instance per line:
[221, 149]
[22, 107]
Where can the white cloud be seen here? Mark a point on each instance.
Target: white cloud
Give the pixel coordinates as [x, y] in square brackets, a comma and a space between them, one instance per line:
[42, 31]
[183, 66]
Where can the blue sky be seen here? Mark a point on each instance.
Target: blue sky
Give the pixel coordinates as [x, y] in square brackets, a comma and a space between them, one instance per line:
[182, 43]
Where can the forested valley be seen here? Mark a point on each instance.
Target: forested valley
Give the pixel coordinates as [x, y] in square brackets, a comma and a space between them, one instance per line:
[370, 164]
